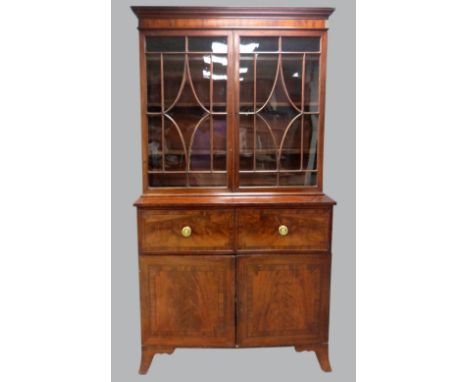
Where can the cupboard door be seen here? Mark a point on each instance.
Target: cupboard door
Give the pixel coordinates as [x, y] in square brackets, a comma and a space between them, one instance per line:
[280, 106]
[187, 300]
[186, 110]
[283, 300]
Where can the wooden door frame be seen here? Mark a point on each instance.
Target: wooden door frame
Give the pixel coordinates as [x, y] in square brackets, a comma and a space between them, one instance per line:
[237, 34]
[144, 118]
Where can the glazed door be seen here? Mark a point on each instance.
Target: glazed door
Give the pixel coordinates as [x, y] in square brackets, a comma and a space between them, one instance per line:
[230, 110]
[187, 300]
[185, 91]
[280, 82]
[283, 299]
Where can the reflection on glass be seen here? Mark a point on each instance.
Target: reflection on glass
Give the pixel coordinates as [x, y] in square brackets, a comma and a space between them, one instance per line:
[208, 44]
[258, 44]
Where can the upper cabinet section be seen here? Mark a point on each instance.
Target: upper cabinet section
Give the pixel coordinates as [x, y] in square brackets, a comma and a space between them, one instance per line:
[232, 99]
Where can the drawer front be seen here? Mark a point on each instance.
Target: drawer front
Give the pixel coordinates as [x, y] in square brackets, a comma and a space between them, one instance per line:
[301, 229]
[163, 230]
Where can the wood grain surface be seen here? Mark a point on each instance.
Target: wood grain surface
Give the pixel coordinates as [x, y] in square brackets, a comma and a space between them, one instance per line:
[307, 228]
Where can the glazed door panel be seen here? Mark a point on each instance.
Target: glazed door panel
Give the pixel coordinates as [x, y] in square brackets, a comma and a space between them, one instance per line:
[283, 300]
[280, 99]
[187, 109]
[187, 300]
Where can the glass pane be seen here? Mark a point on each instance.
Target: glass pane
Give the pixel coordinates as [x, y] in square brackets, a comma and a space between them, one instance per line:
[246, 78]
[165, 44]
[258, 44]
[246, 142]
[290, 156]
[266, 144]
[292, 72]
[219, 82]
[153, 75]
[166, 180]
[310, 142]
[255, 179]
[200, 153]
[154, 143]
[296, 179]
[187, 141]
[175, 158]
[208, 145]
[311, 85]
[208, 44]
[301, 44]
[219, 143]
[173, 75]
[267, 67]
[207, 180]
[200, 74]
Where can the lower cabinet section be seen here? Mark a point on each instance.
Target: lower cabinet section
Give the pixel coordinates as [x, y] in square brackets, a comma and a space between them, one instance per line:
[190, 301]
[187, 300]
[282, 299]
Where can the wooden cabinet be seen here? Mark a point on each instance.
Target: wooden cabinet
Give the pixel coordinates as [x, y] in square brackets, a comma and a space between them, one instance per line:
[234, 229]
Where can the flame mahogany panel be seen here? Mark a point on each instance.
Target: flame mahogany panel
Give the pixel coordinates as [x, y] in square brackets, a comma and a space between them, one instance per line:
[187, 300]
[283, 299]
[160, 230]
[307, 228]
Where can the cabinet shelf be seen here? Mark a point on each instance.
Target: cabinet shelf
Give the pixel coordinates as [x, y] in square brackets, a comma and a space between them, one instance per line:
[183, 172]
[282, 171]
[272, 52]
[192, 152]
[271, 151]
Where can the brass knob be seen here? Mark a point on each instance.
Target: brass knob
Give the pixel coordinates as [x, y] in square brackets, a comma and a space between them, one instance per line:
[186, 231]
[283, 230]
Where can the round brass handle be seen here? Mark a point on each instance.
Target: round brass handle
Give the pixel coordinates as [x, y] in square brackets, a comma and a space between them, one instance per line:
[283, 230]
[186, 231]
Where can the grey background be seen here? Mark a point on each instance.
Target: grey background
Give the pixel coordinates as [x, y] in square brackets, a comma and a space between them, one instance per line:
[272, 364]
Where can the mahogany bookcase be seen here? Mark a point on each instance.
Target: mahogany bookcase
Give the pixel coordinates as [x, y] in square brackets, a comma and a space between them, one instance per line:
[234, 231]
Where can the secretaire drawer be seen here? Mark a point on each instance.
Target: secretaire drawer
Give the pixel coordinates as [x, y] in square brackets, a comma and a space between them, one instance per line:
[284, 228]
[175, 230]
